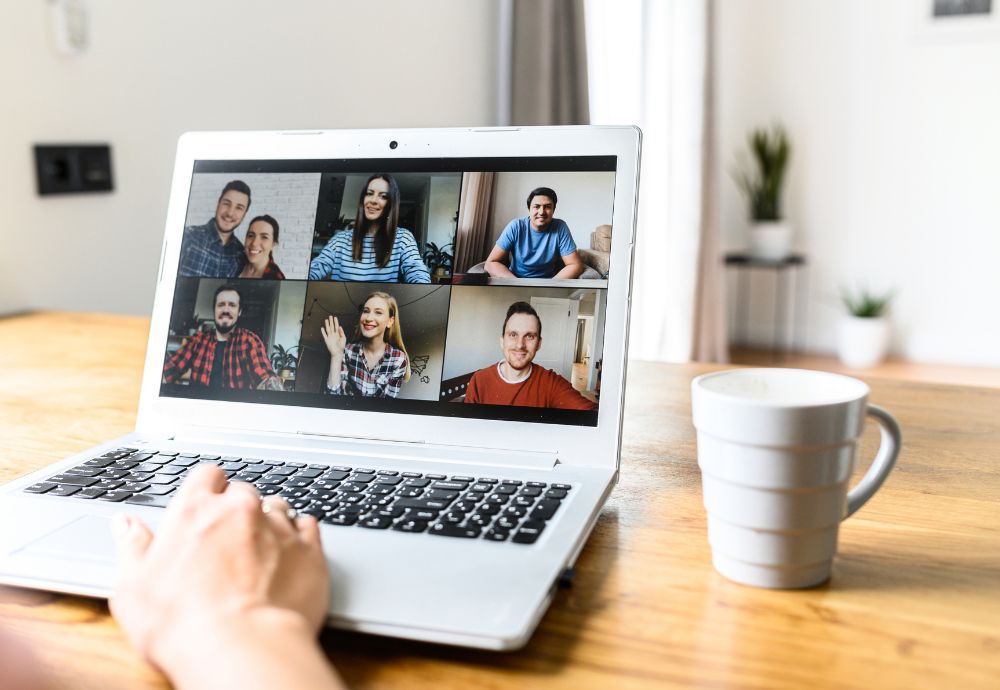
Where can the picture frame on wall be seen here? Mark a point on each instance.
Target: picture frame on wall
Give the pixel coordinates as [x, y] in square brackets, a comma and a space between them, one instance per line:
[957, 20]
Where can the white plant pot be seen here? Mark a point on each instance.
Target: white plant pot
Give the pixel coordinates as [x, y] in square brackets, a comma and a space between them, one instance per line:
[863, 341]
[770, 240]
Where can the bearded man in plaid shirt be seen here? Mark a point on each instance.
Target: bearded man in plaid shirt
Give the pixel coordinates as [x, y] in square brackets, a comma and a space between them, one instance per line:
[228, 357]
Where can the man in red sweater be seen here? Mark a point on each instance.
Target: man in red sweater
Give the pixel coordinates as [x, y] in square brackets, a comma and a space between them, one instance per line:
[515, 380]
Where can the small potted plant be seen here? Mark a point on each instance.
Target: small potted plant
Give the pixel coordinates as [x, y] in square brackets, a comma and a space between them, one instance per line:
[770, 233]
[285, 362]
[439, 260]
[863, 336]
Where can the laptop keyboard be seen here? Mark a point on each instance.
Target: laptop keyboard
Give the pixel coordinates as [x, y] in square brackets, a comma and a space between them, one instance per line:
[460, 506]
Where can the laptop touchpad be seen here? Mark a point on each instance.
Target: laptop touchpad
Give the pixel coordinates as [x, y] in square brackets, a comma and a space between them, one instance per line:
[87, 538]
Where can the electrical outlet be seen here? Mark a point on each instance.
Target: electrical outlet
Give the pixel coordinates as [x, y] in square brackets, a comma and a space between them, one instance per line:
[73, 169]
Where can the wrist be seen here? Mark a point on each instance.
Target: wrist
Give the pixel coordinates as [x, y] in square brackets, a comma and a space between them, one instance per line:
[225, 638]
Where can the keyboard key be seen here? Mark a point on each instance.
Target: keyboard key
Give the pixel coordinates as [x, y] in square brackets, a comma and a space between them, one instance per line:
[108, 484]
[452, 486]
[523, 501]
[393, 512]
[297, 465]
[270, 480]
[149, 500]
[379, 490]
[479, 519]
[410, 526]
[73, 480]
[90, 493]
[511, 482]
[435, 476]
[556, 493]
[320, 494]
[297, 483]
[167, 453]
[187, 455]
[336, 475]
[135, 487]
[309, 474]
[533, 492]
[292, 493]
[388, 480]
[515, 511]
[84, 471]
[564, 487]
[423, 515]
[117, 474]
[409, 493]
[212, 458]
[453, 518]
[529, 532]
[40, 487]
[387, 473]
[317, 466]
[326, 484]
[361, 477]
[438, 495]
[464, 506]
[364, 470]
[536, 485]
[498, 498]
[446, 530]
[341, 468]
[494, 534]
[234, 466]
[169, 469]
[158, 490]
[341, 518]
[422, 503]
[99, 462]
[507, 489]
[268, 490]
[376, 522]
[412, 475]
[417, 483]
[486, 480]
[162, 479]
[481, 487]
[249, 477]
[462, 478]
[281, 472]
[115, 496]
[545, 509]
[185, 460]
[506, 522]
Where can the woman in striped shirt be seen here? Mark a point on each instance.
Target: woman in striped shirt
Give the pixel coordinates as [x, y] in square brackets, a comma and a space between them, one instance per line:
[375, 250]
[376, 364]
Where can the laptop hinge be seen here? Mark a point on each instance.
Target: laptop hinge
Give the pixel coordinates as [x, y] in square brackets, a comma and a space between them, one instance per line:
[347, 446]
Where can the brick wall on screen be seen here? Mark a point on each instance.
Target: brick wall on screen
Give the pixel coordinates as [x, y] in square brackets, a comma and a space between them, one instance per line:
[289, 197]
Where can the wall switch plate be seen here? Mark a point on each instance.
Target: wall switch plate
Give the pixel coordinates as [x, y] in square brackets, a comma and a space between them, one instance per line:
[73, 169]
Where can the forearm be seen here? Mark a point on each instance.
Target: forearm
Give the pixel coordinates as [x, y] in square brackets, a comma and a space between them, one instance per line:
[570, 271]
[266, 649]
[333, 379]
[498, 270]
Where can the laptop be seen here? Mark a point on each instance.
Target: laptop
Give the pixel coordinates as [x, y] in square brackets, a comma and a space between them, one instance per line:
[451, 415]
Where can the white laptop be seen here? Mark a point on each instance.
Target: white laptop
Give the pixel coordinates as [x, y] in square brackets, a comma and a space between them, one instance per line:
[456, 442]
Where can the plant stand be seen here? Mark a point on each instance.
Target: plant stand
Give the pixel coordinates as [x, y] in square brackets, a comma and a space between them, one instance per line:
[785, 328]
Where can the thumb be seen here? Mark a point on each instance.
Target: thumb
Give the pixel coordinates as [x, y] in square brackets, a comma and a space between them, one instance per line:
[132, 539]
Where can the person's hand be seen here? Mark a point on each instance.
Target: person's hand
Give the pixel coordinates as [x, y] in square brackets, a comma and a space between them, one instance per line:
[333, 336]
[217, 567]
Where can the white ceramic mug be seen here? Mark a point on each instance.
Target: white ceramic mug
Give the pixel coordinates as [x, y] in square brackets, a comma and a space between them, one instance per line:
[776, 449]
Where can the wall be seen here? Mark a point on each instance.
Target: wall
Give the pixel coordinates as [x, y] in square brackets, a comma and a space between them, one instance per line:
[155, 70]
[442, 205]
[586, 199]
[893, 180]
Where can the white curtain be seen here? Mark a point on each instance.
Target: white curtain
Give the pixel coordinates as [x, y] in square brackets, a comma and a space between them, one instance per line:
[647, 62]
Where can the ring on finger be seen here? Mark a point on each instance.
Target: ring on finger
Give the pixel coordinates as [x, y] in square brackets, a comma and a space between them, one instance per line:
[268, 507]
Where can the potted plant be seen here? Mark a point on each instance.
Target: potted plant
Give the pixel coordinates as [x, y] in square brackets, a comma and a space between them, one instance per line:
[285, 362]
[863, 335]
[439, 260]
[770, 234]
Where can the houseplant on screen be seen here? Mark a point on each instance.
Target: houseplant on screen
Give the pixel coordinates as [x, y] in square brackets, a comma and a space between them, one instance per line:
[770, 233]
[863, 336]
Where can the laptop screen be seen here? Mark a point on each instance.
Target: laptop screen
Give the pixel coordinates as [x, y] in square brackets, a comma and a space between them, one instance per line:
[454, 287]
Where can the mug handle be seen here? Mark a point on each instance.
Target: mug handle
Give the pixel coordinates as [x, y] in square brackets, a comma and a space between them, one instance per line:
[883, 463]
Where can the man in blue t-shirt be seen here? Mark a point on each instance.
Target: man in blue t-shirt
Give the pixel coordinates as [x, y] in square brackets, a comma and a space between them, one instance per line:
[530, 247]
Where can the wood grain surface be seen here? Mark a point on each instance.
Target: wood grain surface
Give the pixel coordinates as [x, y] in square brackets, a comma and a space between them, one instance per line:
[914, 601]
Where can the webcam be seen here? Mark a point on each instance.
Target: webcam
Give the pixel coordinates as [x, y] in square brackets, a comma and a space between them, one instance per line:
[393, 144]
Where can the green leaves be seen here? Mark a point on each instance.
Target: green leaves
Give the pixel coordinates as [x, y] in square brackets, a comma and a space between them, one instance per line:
[762, 185]
[865, 304]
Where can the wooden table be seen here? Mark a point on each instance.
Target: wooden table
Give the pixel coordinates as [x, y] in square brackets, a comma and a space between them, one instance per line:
[914, 601]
